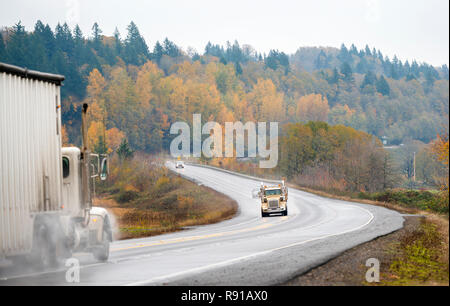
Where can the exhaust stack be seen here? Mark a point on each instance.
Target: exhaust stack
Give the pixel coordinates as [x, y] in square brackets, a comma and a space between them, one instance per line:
[85, 154]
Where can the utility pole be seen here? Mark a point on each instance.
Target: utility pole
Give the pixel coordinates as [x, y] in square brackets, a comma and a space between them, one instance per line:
[414, 171]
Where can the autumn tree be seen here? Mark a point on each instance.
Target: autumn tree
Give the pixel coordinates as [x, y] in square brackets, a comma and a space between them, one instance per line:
[440, 149]
[312, 107]
[266, 103]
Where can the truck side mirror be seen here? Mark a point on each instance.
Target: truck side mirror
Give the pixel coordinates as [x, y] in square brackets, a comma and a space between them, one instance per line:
[104, 169]
[256, 193]
[95, 164]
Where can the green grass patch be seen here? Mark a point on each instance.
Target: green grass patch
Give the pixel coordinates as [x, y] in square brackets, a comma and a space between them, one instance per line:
[423, 200]
[419, 258]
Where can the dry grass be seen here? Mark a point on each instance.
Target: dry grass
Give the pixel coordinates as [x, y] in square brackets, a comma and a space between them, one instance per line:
[147, 200]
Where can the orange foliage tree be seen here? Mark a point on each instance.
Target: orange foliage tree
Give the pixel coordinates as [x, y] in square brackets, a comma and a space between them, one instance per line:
[440, 150]
[312, 107]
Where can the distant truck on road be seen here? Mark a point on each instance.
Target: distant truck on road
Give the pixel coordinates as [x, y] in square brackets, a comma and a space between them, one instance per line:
[273, 199]
[46, 208]
[179, 164]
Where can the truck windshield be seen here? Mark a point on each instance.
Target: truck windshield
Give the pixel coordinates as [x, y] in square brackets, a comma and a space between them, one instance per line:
[273, 192]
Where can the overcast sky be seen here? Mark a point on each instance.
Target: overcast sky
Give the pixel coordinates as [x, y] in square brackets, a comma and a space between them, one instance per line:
[411, 29]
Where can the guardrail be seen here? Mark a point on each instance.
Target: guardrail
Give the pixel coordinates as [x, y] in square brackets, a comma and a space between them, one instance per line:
[236, 173]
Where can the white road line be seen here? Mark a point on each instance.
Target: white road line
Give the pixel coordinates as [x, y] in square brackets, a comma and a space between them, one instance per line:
[243, 258]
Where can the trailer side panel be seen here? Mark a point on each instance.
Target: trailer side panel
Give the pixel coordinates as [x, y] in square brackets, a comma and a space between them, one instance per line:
[30, 158]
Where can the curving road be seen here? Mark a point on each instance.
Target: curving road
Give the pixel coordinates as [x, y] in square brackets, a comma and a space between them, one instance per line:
[245, 250]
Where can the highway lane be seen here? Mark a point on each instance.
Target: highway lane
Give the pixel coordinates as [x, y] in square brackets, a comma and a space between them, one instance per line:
[245, 250]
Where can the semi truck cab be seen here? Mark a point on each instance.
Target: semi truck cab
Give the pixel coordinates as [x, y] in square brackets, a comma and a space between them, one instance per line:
[273, 199]
[98, 235]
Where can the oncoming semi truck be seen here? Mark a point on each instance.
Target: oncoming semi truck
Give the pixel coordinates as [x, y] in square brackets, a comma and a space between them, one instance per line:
[273, 199]
[46, 208]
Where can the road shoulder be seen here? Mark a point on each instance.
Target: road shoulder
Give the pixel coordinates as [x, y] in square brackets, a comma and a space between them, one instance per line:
[349, 268]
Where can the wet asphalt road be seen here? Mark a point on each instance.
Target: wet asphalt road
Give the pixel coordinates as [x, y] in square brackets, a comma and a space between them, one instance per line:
[245, 250]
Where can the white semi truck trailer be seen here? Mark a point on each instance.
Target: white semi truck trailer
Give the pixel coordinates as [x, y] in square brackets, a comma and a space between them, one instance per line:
[46, 208]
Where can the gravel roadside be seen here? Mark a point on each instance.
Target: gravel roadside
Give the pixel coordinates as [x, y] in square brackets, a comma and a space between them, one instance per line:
[348, 269]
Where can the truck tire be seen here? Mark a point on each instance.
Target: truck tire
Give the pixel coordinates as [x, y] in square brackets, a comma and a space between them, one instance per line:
[263, 214]
[101, 253]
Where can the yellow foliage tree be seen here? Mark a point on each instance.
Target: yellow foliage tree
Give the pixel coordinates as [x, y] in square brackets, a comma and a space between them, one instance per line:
[113, 139]
[341, 114]
[266, 103]
[312, 107]
[440, 149]
[148, 78]
[96, 83]
[64, 137]
[95, 130]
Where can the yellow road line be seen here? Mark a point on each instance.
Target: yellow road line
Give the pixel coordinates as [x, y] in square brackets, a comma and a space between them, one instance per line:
[192, 238]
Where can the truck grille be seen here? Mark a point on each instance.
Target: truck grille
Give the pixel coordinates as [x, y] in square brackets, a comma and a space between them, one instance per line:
[273, 203]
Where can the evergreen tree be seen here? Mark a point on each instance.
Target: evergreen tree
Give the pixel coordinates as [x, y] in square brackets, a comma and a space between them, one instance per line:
[170, 49]
[407, 68]
[383, 86]
[380, 56]
[367, 51]
[96, 35]
[135, 49]
[17, 49]
[2, 49]
[370, 79]
[45, 34]
[430, 77]
[394, 68]
[335, 77]
[353, 50]
[79, 46]
[124, 151]
[195, 57]
[362, 66]
[321, 61]
[344, 55]
[277, 59]
[100, 145]
[415, 69]
[117, 43]
[63, 39]
[234, 53]
[374, 52]
[347, 72]
[158, 52]
[444, 69]
[410, 77]
[223, 60]
[39, 58]
[238, 68]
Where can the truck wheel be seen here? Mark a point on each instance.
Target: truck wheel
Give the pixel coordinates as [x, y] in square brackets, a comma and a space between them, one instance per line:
[102, 252]
[263, 214]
